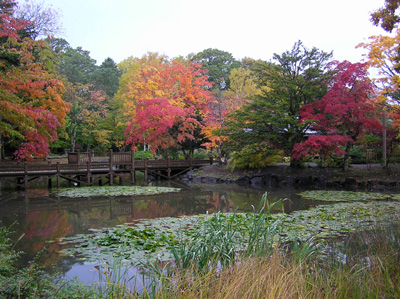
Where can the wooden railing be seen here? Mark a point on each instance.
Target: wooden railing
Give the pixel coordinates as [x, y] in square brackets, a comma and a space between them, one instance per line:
[117, 161]
[126, 158]
[119, 164]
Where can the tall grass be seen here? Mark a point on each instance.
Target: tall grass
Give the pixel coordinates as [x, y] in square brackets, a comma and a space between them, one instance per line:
[367, 266]
[251, 278]
[220, 242]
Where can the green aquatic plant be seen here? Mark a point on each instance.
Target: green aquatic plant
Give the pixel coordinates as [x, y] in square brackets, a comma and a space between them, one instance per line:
[115, 191]
[343, 196]
[220, 237]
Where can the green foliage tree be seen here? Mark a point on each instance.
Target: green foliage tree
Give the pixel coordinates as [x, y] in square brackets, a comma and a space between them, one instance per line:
[219, 65]
[386, 16]
[76, 65]
[298, 78]
[106, 77]
[90, 89]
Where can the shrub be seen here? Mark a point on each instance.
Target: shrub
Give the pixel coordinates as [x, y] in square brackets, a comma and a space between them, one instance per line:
[254, 157]
[142, 155]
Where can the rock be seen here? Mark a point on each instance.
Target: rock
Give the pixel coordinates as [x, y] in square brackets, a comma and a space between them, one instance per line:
[196, 179]
[257, 180]
[272, 180]
[319, 182]
[350, 183]
[289, 180]
[304, 181]
[211, 180]
[243, 180]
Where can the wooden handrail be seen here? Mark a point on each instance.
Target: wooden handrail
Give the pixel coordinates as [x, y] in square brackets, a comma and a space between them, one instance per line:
[90, 166]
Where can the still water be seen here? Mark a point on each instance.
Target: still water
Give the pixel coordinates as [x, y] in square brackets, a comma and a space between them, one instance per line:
[41, 217]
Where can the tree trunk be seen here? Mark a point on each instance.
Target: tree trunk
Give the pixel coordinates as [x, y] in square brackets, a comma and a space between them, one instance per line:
[294, 163]
[346, 158]
[72, 134]
[346, 162]
[1, 148]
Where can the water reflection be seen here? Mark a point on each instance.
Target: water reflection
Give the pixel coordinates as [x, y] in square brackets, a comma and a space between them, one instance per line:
[43, 216]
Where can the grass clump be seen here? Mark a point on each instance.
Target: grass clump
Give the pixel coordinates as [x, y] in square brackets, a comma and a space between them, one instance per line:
[221, 241]
[364, 265]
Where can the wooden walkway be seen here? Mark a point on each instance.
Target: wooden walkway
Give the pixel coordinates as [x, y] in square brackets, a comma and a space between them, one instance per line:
[120, 165]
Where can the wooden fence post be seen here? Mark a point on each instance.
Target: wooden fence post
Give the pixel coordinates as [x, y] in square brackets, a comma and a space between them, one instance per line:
[133, 175]
[111, 169]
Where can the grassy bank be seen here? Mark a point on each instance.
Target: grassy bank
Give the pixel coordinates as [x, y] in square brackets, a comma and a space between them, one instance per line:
[366, 267]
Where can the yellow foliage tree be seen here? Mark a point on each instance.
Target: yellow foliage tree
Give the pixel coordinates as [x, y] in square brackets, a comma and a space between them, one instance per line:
[384, 56]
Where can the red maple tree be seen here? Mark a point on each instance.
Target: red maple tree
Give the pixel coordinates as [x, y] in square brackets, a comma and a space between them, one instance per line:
[343, 115]
[165, 103]
[31, 105]
[161, 124]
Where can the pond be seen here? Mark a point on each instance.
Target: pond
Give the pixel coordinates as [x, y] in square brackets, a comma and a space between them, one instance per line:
[42, 216]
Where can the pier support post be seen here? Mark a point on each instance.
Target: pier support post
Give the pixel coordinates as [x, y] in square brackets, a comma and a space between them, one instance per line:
[58, 174]
[145, 171]
[89, 167]
[169, 168]
[26, 178]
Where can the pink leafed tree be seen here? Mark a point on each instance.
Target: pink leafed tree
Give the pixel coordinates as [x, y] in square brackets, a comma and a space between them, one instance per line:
[342, 116]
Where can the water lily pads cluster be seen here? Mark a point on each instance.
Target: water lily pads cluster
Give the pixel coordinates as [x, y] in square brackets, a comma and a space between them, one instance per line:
[338, 196]
[133, 242]
[153, 239]
[332, 220]
[115, 191]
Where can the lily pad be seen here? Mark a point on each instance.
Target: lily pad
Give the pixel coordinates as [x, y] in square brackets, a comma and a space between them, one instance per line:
[338, 219]
[342, 196]
[396, 197]
[153, 239]
[115, 191]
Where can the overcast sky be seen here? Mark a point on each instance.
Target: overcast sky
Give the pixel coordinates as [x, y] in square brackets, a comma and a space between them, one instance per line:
[247, 28]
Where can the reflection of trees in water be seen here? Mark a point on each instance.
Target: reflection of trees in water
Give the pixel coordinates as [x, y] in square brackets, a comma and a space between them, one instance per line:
[46, 219]
[187, 203]
[39, 228]
[248, 199]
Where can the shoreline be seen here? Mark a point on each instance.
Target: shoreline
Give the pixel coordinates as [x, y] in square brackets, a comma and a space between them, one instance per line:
[371, 177]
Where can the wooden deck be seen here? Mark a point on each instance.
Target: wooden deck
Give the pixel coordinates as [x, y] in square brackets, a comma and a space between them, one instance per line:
[120, 165]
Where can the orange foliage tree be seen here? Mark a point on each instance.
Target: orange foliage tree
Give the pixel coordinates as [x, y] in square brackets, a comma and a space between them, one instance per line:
[166, 103]
[383, 55]
[31, 105]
